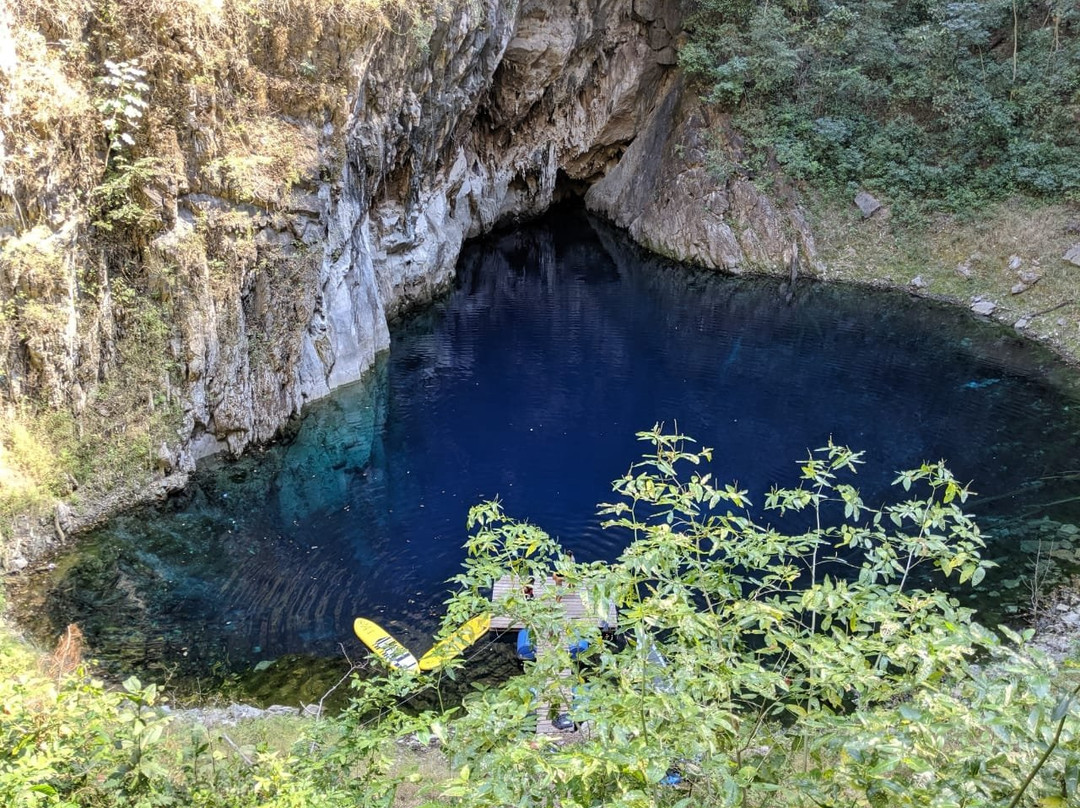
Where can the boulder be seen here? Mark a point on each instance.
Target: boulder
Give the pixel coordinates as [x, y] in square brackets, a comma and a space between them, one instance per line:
[164, 458]
[1072, 255]
[667, 57]
[867, 203]
[646, 10]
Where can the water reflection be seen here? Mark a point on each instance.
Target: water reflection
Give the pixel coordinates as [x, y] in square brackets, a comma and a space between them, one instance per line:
[528, 382]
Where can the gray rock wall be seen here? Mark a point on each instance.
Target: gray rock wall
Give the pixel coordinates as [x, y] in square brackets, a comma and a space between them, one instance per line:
[487, 116]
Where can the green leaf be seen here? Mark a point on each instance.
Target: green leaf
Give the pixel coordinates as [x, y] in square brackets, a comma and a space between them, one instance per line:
[1061, 709]
[911, 713]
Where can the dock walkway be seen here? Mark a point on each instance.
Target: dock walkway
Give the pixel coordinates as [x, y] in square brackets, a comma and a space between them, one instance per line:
[575, 609]
[574, 606]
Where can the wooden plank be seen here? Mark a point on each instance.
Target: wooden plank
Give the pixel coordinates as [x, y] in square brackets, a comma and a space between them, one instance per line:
[574, 610]
[574, 607]
[544, 722]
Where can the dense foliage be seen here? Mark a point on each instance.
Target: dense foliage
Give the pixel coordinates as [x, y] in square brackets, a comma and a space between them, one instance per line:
[807, 666]
[947, 103]
[803, 661]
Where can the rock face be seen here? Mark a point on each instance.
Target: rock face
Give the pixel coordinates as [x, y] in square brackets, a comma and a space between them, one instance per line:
[664, 193]
[490, 114]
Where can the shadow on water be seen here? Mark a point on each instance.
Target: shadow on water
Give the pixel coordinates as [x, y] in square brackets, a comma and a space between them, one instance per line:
[528, 382]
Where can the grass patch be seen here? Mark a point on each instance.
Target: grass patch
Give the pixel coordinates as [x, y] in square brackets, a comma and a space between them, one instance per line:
[420, 769]
[984, 253]
[36, 459]
[49, 453]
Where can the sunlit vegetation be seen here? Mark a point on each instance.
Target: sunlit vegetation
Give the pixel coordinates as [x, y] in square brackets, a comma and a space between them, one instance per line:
[804, 660]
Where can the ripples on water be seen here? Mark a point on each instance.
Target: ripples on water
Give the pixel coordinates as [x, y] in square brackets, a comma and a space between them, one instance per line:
[528, 382]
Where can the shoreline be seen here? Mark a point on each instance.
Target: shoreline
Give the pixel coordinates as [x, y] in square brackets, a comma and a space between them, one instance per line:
[34, 537]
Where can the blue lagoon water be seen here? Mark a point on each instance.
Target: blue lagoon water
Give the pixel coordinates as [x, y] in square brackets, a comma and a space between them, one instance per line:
[528, 382]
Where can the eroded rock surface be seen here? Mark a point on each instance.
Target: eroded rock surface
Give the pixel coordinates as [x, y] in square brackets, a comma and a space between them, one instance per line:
[665, 194]
[279, 293]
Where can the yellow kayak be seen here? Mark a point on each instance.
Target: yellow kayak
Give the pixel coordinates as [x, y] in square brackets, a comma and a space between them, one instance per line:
[383, 645]
[445, 650]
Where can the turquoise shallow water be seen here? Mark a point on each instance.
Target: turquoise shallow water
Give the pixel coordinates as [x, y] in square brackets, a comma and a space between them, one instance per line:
[527, 382]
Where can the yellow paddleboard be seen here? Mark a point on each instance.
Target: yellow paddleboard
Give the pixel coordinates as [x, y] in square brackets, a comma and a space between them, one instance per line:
[383, 645]
[447, 649]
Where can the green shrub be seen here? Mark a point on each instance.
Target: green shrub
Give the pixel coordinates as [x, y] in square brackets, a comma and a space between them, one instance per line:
[930, 102]
[815, 666]
[806, 660]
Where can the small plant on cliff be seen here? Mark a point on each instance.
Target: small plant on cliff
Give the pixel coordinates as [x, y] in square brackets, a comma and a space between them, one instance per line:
[122, 105]
[117, 197]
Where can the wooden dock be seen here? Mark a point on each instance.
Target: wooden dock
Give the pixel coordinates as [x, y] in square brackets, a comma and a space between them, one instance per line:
[574, 606]
[575, 610]
[565, 685]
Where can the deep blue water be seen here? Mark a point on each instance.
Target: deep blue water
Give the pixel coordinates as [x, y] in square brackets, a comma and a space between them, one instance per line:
[528, 382]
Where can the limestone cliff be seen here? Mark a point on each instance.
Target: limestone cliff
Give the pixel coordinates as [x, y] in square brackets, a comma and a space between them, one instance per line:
[305, 171]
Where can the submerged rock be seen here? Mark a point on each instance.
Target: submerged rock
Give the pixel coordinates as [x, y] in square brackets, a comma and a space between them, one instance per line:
[233, 714]
[1057, 622]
